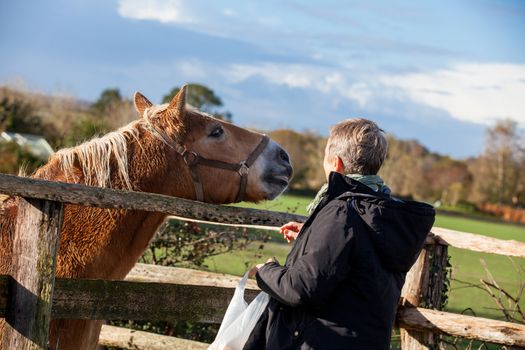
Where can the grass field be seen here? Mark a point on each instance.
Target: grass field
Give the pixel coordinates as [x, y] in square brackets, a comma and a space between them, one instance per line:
[466, 266]
[288, 203]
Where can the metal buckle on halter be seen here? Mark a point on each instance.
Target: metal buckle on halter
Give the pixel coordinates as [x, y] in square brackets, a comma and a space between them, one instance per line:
[244, 169]
[190, 158]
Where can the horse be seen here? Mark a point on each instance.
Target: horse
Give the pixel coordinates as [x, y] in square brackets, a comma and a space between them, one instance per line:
[172, 149]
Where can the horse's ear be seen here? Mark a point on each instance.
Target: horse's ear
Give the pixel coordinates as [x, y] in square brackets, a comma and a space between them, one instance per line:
[178, 102]
[141, 103]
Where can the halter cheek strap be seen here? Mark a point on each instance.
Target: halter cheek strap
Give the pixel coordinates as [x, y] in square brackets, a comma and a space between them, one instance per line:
[192, 159]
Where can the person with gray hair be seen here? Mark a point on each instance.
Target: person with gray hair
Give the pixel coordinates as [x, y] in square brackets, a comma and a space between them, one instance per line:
[342, 279]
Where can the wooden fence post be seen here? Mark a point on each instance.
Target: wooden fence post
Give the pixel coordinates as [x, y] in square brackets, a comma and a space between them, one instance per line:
[35, 244]
[424, 287]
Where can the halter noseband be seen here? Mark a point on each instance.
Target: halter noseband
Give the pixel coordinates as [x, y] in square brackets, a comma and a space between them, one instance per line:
[192, 159]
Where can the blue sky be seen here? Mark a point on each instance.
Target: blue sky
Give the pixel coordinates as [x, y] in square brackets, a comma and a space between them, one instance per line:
[436, 71]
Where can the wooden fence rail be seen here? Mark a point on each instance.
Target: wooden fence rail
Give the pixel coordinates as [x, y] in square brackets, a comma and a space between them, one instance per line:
[478, 243]
[125, 338]
[215, 214]
[160, 293]
[124, 300]
[469, 327]
[109, 198]
[180, 275]
[139, 296]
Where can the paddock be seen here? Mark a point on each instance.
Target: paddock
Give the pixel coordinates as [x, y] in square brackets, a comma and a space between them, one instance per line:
[32, 295]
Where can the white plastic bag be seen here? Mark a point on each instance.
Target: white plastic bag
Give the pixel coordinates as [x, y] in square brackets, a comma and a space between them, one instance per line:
[239, 319]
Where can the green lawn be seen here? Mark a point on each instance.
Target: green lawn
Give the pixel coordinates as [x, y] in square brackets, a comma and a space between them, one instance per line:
[466, 266]
[237, 263]
[287, 203]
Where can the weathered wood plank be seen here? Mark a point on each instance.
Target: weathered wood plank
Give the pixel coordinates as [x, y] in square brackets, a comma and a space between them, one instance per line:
[125, 338]
[424, 287]
[260, 227]
[124, 300]
[411, 295]
[111, 300]
[470, 327]
[478, 243]
[35, 244]
[179, 275]
[435, 282]
[109, 198]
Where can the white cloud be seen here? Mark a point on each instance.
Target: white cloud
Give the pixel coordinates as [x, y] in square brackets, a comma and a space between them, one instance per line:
[303, 76]
[479, 93]
[291, 75]
[192, 69]
[164, 11]
[229, 12]
[338, 83]
[359, 92]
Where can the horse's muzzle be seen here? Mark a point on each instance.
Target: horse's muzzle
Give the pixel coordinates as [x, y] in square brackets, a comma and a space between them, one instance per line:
[278, 172]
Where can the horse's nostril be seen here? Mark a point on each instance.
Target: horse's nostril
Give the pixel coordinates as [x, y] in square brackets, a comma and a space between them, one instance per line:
[289, 169]
[283, 155]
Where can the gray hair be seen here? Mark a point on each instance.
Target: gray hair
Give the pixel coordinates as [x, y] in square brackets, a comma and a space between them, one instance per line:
[360, 144]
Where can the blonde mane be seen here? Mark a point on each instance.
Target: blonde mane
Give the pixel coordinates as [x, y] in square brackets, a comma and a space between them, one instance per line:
[94, 156]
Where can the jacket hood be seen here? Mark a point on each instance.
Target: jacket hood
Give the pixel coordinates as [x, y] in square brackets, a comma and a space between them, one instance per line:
[398, 228]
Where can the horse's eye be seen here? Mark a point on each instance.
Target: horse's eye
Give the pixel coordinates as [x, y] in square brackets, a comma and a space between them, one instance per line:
[217, 132]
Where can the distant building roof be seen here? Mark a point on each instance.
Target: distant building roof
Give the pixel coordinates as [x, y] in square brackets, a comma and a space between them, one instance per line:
[34, 144]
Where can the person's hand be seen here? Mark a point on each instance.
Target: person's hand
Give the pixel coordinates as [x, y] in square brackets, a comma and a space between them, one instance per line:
[291, 230]
[256, 268]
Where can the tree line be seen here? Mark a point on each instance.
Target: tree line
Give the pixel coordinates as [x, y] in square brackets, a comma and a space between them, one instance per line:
[414, 172]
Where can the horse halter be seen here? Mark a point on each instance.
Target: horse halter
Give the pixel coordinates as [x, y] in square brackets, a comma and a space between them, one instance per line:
[192, 159]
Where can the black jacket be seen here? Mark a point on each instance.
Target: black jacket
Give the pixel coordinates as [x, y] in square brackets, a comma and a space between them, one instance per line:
[342, 279]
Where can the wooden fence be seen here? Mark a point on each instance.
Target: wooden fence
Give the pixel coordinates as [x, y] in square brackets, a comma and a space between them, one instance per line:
[32, 295]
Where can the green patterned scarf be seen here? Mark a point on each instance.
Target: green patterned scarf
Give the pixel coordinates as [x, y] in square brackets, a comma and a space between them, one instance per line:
[375, 182]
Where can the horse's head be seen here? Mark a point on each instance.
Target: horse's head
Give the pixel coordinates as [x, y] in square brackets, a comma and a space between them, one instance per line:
[224, 162]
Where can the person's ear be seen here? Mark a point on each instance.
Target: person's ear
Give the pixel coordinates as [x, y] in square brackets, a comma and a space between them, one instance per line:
[338, 164]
